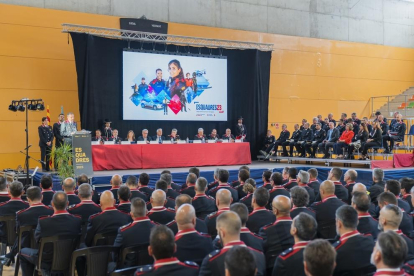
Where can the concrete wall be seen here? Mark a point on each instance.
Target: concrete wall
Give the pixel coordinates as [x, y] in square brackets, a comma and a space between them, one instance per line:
[384, 22]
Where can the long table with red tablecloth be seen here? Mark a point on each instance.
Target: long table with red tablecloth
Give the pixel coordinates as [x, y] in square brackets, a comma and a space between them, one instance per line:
[152, 156]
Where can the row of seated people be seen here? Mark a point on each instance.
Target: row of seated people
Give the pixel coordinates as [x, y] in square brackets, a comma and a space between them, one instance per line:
[275, 233]
[348, 135]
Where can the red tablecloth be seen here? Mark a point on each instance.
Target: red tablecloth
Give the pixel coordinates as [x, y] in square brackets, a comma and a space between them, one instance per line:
[124, 157]
[403, 160]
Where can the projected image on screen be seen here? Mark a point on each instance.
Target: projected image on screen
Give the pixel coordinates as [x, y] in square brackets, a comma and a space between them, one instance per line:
[172, 87]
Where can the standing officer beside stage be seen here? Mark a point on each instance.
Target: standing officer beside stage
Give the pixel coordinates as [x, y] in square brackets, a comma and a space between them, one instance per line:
[45, 143]
[241, 131]
[56, 132]
[68, 128]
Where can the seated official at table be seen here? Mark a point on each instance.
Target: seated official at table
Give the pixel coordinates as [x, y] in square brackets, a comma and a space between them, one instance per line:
[159, 138]
[174, 136]
[115, 137]
[228, 135]
[344, 140]
[200, 135]
[359, 139]
[98, 137]
[131, 136]
[145, 136]
[375, 140]
[213, 135]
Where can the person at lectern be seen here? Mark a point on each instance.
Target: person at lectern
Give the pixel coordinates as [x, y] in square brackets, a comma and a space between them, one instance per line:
[228, 135]
[145, 136]
[200, 135]
[174, 136]
[68, 128]
[107, 130]
[159, 136]
[176, 83]
[130, 136]
[240, 129]
[98, 137]
[45, 143]
[115, 137]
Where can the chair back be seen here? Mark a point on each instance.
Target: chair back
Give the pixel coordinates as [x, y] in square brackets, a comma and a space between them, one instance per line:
[107, 238]
[135, 255]
[97, 259]
[411, 132]
[130, 271]
[30, 229]
[10, 227]
[63, 247]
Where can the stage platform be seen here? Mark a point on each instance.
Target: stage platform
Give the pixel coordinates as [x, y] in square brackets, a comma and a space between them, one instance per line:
[101, 179]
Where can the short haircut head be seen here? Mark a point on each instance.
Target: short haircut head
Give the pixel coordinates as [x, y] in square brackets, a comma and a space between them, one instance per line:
[16, 188]
[46, 181]
[240, 261]
[69, 183]
[261, 195]
[387, 198]
[162, 242]
[34, 193]
[304, 176]
[353, 175]
[320, 256]
[144, 179]
[362, 201]
[85, 191]
[244, 167]
[392, 214]
[201, 184]
[167, 177]
[229, 221]
[162, 185]
[166, 171]
[241, 210]
[192, 178]
[299, 196]
[393, 249]
[60, 200]
[277, 178]
[244, 175]
[306, 226]
[378, 174]
[293, 172]
[313, 173]
[83, 178]
[407, 184]
[394, 187]
[348, 216]
[224, 196]
[124, 193]
[195, 171]
[267, 174]
[138, 207]
[223, 176]
[183, 199]
[337, 173]
[132, 181]
[3, 183]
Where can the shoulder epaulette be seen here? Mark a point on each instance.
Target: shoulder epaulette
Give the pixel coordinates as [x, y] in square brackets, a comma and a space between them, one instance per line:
[204, 235]
[267, 226]
[43, 217]
[76, 216]
[191, 264]
[71, 206]
[125, 227]
[144, 269]
[170, 210]
[285, 254]
[21, 211]
[256, 235]
[95, 215]
[213, 254]
[212, 215]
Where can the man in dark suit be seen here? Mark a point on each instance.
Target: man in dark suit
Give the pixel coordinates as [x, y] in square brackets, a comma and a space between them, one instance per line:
[393, 186]
[228, 227]
[162, 247]
[306, 137]
[203, 204]
[353, 249]
[228, 136]
[45, 143]
[276, 236]
[132, 183]
[332, 136]
[109, 220]
[56, 133]
[60, 224]
[28, 216]
[290, 261]
[223, 184]
[341, 192]
[223, 201]
[86, 207]
[406, 225]
[191, 182]
[115, 137]
[46, 183]
[325, 210]
[191, 244]
[124, 194]
[318, 137]
[145, 137]
[300, 199]
[378, 186]
[69, 189]
[159, 137]
[292, 141]
[159, 213]
[366, 223]
[260, 216]
[4, 193]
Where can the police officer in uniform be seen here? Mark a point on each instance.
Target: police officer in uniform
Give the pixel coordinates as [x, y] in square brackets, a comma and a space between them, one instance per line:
[260, 215]
[284, 135]
[291, 142]
[396, 134]
[143, 182]
[86, 207]
[366, 223]
[300, 199]
[223, 184]
[174, 137]
[290, 261]
[107, 130]
[223, 201]
[124, 194]
[132, 183]
[46, 183]
[159, 213]
[241, 131]
[228, 228]
[60, 224]
[202, 203]
[162, 247]
[109, 220]
[306, 137]
[277, 188]
[268, 141]
[318, 137]
[56, 133]
[115, 137]
[45, 143]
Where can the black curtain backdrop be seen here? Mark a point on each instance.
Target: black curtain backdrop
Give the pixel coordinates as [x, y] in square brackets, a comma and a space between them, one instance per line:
[99, 70]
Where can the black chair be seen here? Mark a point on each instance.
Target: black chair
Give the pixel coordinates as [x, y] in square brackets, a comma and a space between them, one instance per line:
[83, 231]
[24, 229]
[130, 271]
[135, 256]
[63, 247]
[97, 259]
[9, 225]
[107, 238]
